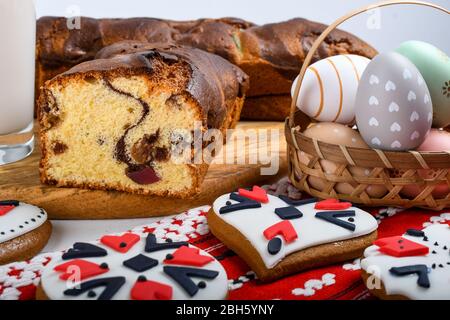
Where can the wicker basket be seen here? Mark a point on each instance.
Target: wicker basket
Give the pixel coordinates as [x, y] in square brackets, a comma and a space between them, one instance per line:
[393, 170]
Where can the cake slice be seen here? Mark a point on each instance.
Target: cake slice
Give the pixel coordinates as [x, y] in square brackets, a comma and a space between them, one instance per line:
[118, 123]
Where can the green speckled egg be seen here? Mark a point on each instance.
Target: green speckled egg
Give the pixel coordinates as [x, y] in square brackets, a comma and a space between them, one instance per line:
[434, 65]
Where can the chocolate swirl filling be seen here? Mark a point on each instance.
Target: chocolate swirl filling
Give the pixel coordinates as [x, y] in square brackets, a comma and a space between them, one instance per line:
[139, 173]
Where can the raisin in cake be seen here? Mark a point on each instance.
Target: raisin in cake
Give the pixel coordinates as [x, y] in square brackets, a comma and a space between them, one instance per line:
[117, 123]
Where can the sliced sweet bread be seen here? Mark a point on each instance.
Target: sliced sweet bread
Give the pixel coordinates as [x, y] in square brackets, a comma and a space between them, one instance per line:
[118, 123]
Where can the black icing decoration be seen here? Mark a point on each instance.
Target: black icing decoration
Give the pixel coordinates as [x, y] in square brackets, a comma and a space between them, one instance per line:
[415, 233]
[92, 294]
[420, 269]
[84, 250]
[332, 217]
[243, 203]
[151, 244]
[140, 263]
[237, 197]
[225, 255]
[142, 279]
[112, 285]
[288, 213]
[295, 203]
[14, 203]
[274, 246]
[104, 265]
[183, 276]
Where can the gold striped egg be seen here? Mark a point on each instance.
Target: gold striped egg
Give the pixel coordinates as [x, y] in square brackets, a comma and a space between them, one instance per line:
[329, 88]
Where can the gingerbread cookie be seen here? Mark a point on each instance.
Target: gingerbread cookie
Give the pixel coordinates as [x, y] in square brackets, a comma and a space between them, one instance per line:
[131, 267]
[277, 236]
[414, 266]
[24, 231]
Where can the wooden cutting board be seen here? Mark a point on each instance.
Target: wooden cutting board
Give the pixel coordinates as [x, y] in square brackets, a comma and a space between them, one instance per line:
[20, 181]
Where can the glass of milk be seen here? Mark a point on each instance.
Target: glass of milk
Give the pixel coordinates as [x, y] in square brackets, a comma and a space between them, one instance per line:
[17, 61]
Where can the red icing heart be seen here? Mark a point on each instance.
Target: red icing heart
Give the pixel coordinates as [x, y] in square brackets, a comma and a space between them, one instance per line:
[257, 194]
[144, 176]
[151, 290]
[332, 204]
[188, 256]
[283, 228]
[5, 209]
[121, 243]
[79, 270]
[400, 247]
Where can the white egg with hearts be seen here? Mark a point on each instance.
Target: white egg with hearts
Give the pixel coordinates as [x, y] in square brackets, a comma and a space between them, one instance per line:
[329, 88]
[393, 107]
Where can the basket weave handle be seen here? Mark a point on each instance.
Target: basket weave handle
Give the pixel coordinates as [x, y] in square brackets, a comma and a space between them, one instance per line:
[333, 26]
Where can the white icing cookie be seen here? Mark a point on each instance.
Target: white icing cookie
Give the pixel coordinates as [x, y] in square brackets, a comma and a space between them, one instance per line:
[18, 218]
[306, 226]
[128, 267]
[420, 273]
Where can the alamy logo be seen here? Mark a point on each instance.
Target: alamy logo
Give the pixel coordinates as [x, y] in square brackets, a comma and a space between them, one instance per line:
[235, 147]
[374, 279]
[374, 20]
[73, 16]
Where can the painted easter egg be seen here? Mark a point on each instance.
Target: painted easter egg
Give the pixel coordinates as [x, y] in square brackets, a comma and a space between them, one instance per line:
[437, 140]
[393, 105]
[329, 88]
[336, 133]
[434, 65]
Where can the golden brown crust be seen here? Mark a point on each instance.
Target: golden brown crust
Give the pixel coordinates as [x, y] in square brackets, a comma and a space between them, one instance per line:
[274, 107]
[314, 257]
[26, 246]
[381, 292]
[212, 81]
[267, 108]
[40, 293]
[271, 55]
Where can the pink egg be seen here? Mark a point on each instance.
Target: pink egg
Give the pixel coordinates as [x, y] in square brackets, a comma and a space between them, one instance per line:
[437, 140]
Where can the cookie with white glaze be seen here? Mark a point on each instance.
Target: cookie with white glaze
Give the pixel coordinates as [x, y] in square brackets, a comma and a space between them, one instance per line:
[277, 236]
[24, 231]
[414, 266]
[133, 267]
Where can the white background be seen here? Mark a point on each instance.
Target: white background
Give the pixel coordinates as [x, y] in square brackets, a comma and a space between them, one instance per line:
[397, 24]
